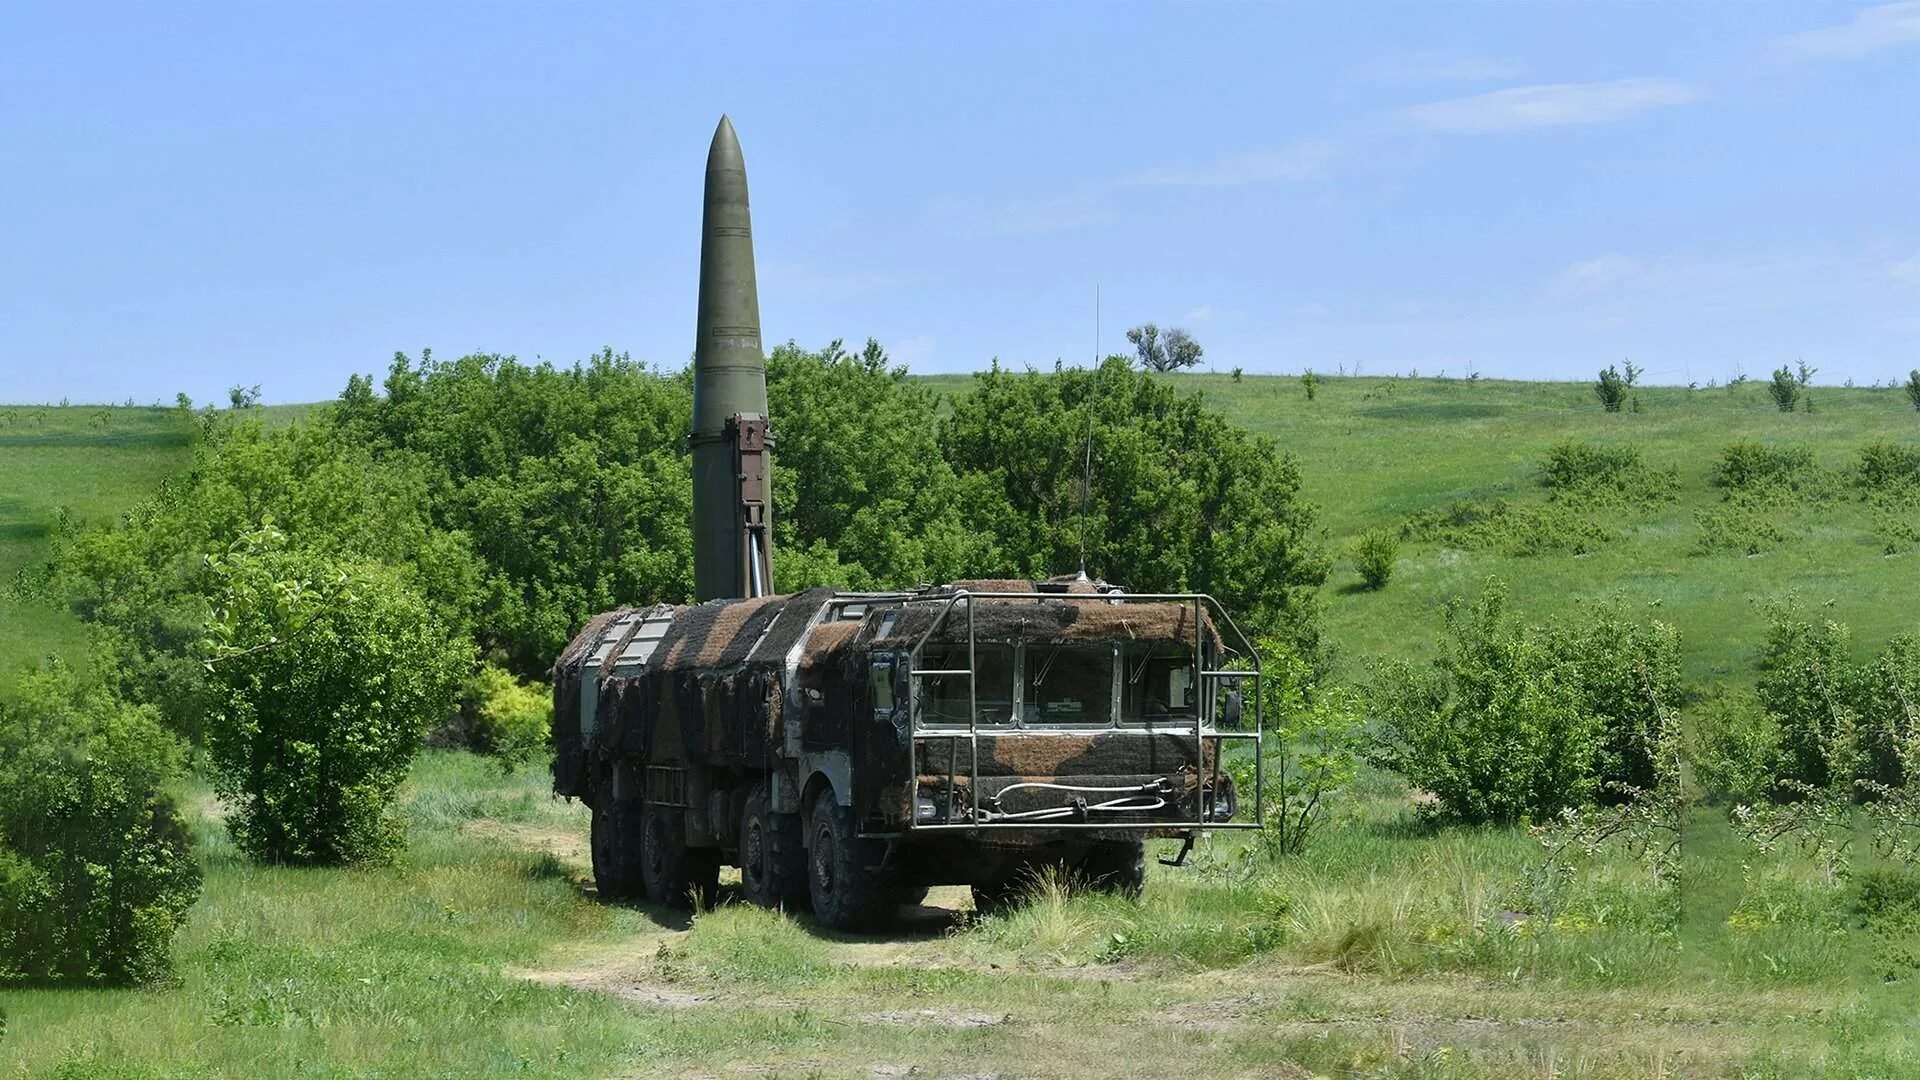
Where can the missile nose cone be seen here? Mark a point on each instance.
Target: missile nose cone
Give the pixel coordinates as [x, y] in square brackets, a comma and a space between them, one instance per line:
[725, 151]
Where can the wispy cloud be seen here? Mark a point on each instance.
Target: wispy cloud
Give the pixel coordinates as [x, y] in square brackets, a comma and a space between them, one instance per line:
[1550, 105]
[1869, 31]
[1199, 314]
[1295, 161]
[1906, 270]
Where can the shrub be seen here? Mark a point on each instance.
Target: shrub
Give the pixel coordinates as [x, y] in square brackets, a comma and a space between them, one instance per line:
[507, 718]
[1740, 527]
[1611, 475]
[96, 871]
[1766, 471]
[1626, 674]
[1611, 389]
[1516, 723]
[1374, 556]
[1888, 467]
[1784, 389]
[1913, 388]
[1321, 735]
[1312, 383]
[1806, 684]
[325, 675]
[1518, 529]
[1734, 746]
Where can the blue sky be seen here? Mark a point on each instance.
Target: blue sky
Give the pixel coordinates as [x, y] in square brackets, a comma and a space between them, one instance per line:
[285, 194]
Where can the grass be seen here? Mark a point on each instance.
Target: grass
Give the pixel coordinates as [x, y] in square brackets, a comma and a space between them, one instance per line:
[1375, 451]
[91, 462]
[1387, 950]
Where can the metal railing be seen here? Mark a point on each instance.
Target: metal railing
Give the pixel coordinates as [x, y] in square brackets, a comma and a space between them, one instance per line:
[1207, 681]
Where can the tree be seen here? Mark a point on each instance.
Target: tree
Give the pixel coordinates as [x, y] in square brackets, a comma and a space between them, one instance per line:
[1913, 388]
[1611, 388]
[1180, 498]
[326, 673]
[1784, 389]
[862, 494]
[96, 868]
[1176, 350]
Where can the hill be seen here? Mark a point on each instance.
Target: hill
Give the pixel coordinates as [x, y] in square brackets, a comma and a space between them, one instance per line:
[90, 461]
[1376, 451]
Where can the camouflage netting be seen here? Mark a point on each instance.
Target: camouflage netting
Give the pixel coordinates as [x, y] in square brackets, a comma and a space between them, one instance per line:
[1067, 618]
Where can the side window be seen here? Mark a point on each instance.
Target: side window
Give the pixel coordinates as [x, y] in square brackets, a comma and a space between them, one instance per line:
[880, 685]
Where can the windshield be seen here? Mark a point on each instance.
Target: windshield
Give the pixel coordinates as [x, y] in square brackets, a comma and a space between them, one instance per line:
[943, 698]
[1068, 684]
[1159, 683]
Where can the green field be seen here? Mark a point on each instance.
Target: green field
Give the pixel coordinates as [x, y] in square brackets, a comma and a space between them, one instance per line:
[91, 462]
[1380, 953]
[1375, 450]
[1388, 949]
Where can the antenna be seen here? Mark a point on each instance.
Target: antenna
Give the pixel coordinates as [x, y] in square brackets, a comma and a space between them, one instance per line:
[1086, 469]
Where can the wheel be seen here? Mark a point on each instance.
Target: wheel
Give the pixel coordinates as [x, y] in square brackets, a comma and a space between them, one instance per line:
[1118, 866]
[914, 895]
[615, 843]
[850, 890]
[994, 897]
[773, 866]
[675, 875]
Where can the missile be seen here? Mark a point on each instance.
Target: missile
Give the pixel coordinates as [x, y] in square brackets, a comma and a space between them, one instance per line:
[732, 500]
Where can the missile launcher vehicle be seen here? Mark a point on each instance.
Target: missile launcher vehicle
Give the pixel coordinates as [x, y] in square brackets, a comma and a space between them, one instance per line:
[848, 750]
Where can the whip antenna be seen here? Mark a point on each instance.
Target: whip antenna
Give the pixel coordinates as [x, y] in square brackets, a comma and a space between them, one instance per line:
[1086, 469]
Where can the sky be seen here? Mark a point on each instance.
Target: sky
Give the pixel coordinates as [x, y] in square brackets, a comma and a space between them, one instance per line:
[199, 196]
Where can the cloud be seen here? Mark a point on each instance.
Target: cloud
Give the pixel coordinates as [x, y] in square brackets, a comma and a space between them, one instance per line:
[1906, 271]
[1295, 161]
[1198, 315]
[1550, 105]
[1871, 30]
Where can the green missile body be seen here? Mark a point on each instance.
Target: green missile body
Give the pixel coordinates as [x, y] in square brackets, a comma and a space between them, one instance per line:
[732, 504]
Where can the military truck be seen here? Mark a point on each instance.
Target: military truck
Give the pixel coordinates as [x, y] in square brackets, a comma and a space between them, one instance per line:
[847, 750]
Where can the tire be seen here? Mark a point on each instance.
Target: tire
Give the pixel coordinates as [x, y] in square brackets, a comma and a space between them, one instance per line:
[773, 866]
[995, 897]
[676, 876]
[1118, 866]
[849, 888]
[614, 841]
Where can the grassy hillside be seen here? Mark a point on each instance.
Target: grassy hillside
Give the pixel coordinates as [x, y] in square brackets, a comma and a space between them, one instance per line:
[1376, 450]
[92, 461]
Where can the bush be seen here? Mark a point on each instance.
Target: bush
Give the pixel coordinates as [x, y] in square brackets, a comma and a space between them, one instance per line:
[507, 718]
[1913, 388]
[325, 676]
[96, 871]
[1734, 746]
[1374, 556]
[1518, 723]
[1740, 527]
[1610, 475]
[1611, 389]
[1784, 389]
[1776, 472]
[1889, 468]
[1806, 685]
[1321, 735]
[1517, 529]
